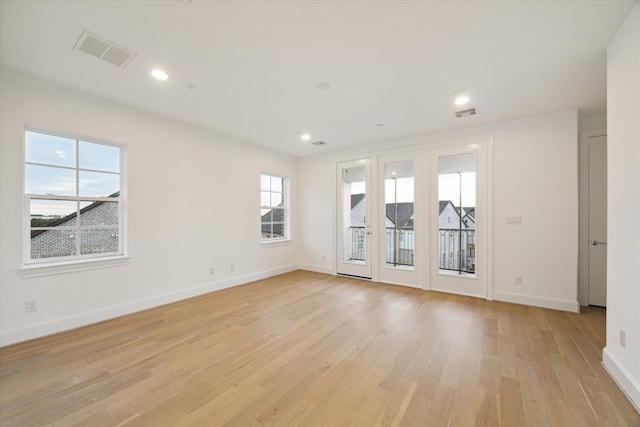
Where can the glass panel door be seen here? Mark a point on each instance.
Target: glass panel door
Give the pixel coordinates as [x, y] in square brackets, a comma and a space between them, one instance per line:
[354, 219]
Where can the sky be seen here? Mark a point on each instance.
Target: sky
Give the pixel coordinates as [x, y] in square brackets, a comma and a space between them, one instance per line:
[448, 189]
[50, 170]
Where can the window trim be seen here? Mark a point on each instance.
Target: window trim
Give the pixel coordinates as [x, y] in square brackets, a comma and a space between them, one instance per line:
[77, 262]
[277, 241]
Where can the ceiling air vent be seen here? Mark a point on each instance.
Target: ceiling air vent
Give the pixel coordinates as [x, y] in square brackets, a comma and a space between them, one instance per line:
[465, 113]
[102, 48]
[318, 143]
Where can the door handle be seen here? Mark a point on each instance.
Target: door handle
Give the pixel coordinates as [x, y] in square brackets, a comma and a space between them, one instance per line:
[596, 243]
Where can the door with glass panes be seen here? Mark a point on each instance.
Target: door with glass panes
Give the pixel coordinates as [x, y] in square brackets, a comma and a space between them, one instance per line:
[354, 219]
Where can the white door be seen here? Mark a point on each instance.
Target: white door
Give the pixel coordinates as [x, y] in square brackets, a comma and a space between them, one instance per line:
[597, 275]
[354, 218]
[460, 217]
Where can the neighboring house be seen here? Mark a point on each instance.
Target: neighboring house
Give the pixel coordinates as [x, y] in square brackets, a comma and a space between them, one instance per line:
[399, 236]
[457, 238]
[399, 239]
[62, 241]
[357, 210]
[275, 216]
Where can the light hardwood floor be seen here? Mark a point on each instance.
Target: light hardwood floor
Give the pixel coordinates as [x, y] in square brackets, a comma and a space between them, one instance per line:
[306, 349]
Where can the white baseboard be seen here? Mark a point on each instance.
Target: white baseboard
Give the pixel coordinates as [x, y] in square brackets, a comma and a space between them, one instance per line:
[627, 383]
[317, 268]
[553, 303]
[62, 324]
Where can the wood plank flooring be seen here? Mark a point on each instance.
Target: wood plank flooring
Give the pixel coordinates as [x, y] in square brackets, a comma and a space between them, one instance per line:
[306, 349]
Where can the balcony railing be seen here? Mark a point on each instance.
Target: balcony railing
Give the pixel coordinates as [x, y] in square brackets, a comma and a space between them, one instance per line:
[400, 245]
[457, 251]
[357, 244]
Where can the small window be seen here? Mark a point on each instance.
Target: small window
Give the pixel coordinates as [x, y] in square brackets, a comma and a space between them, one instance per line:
[273, 208]
[73, 199]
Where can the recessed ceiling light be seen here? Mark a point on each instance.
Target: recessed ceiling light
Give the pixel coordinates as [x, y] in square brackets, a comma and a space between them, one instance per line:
[462, 100]
[305, 137]
[160, 74]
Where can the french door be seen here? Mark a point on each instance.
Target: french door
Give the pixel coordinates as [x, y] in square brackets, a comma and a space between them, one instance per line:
[460, 212]
[354, 218]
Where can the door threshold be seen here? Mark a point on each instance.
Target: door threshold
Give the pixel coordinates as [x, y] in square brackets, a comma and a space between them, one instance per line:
[352, 276]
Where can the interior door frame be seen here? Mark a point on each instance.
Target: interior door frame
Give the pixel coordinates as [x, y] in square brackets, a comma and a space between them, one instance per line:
[583, 212]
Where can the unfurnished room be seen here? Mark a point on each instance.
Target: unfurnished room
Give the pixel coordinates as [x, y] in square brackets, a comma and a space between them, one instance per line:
[320, 213]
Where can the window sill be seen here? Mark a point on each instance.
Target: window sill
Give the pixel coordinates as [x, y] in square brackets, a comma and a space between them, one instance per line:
[272, 243]
[49, 269]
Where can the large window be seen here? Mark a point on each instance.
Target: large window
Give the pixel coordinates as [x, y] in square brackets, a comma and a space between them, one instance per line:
[273, 208]
[399, 202]
[73, 199]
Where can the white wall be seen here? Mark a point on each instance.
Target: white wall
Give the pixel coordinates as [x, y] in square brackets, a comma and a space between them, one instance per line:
[193, 203]
[623, 187]
[535, 168]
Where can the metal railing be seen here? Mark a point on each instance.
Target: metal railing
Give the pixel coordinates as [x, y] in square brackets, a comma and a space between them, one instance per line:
[457, 251]
[400, 248]
[399, 245]
[357, 244]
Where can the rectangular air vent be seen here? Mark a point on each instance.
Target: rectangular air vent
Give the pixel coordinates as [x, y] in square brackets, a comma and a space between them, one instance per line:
[465, 113]
[102, 48]
[319, 143]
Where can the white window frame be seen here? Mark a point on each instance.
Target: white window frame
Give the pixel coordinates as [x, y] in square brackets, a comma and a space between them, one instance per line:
[75, 262]
[286, 201]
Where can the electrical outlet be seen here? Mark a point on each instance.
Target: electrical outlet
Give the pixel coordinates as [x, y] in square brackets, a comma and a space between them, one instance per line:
[212, 271]
[623, 339]
[30, 306]
[514, 220]
[324, 258]
[232, 267]
[517, 280]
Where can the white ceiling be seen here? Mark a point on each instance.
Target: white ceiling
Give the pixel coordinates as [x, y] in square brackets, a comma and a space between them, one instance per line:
[256, 65]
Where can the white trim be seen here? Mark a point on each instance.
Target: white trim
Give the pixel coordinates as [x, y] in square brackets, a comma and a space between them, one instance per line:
[274, 242]
[318, 269]
[622, 377]
[536, 301]
[489, 222]
[50, 269]
[62, 324]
